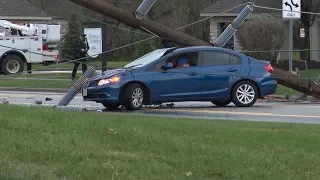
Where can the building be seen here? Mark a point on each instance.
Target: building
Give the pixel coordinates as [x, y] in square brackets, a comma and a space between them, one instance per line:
[219, 20]
[21, 10]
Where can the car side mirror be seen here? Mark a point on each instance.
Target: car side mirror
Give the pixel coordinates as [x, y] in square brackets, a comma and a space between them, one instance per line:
[167, 66]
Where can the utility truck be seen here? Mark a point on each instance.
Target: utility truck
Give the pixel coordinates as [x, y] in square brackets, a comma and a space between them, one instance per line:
[27, 44]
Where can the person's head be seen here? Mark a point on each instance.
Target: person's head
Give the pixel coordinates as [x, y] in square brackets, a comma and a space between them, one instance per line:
[82, 36]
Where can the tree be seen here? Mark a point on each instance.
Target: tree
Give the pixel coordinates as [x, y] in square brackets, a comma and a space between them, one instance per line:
[306, 21]
[262, 35]
[74, 28]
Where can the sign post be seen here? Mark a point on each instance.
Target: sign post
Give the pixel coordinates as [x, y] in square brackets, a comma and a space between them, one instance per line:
[291, 9]
[302, 33]
[94, 36]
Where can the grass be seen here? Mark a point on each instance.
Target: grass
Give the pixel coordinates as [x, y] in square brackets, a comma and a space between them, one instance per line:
[111, 64]
[20, 83]
[62, 81]
[296, 55]
[46, 144]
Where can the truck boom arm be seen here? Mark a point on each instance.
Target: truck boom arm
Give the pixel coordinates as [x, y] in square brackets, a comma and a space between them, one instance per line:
[23, 29]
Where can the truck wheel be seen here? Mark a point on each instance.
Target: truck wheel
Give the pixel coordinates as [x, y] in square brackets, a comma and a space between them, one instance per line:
[12, 64]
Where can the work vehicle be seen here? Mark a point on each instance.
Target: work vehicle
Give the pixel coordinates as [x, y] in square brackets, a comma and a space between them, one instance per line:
[27, 44]
[213, 74]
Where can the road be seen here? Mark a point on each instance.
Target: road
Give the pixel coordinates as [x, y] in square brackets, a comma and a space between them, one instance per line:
[262, 111]
[60, 72]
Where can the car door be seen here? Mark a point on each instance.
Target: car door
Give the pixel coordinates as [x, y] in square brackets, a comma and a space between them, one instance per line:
[176, 84]
[218, 70]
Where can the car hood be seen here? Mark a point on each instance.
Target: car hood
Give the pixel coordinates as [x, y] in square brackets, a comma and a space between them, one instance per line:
[109, 73]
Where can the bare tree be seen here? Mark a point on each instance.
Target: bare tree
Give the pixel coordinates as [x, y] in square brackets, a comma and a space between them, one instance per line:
[307, 20]
[262, 35]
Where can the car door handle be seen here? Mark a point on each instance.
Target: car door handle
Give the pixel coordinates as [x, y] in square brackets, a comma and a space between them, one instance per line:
[232, 70]
[192, 74]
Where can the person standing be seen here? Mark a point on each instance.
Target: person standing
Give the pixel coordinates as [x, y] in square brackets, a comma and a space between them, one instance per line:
[81, 49]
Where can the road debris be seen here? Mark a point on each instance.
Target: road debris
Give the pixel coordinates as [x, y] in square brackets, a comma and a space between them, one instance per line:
[38, 102]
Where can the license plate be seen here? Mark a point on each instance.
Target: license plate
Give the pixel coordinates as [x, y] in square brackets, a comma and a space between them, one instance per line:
[84, 92]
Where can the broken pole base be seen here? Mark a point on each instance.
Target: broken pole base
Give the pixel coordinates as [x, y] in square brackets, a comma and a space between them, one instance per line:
[297, 83]
[72, 92]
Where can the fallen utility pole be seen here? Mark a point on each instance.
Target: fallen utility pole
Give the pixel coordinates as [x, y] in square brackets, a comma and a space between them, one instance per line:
[143, 24]
[284, 78]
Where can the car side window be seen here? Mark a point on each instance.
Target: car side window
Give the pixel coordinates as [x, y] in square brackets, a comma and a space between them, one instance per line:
[183, 60]
[234, 59]
[215, 58]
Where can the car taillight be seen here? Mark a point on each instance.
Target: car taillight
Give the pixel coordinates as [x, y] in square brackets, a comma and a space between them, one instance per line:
[268, 68]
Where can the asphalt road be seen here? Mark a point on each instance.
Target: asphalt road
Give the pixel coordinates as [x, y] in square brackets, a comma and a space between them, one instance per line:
[59, 72]
[261, 111]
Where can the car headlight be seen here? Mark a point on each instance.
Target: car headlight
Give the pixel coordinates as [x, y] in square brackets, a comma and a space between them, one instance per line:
[108, 81]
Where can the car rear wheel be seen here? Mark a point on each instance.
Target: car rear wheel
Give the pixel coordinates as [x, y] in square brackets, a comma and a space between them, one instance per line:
[244, 94]
[133, 97]
[111, 106]
[221, 103]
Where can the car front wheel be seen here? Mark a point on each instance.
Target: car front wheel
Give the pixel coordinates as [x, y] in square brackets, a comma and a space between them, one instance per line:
[245, 94]
[133, 97]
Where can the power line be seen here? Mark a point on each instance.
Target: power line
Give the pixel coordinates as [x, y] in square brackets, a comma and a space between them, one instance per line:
[125, 29]
[204, 19]
[77, 60]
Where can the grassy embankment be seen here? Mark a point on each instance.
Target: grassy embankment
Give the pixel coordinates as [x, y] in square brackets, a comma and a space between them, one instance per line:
[42, 143]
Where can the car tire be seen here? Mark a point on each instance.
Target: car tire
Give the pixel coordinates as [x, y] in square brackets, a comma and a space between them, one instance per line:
[244, 94]
[221, 103]
[12, 64]
[111, 106]
[133, 96]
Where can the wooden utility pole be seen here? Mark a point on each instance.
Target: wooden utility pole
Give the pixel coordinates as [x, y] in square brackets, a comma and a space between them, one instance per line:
[146, 25]
[285, 78]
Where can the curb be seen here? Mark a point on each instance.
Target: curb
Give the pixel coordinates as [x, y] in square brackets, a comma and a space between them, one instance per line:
[48, 90]
[57, 90]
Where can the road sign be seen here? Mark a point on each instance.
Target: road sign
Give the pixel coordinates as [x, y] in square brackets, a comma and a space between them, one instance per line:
[291, 9]
[302, 33]
[94, 36]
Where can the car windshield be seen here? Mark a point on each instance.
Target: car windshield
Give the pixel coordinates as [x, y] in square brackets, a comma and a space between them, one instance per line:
[147, 58]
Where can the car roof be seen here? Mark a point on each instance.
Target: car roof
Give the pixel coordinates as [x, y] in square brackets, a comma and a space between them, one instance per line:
[203, 48]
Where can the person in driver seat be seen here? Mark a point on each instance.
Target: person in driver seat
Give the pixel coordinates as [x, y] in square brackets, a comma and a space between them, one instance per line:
[182, 62]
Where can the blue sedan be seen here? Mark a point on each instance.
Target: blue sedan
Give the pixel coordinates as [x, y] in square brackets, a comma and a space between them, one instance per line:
[200, 73]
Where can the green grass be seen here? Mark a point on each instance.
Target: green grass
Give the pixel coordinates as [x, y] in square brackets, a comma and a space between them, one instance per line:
[62, 81]
[296, 55]
[20, 83]
[48, 144]
[111, 64]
